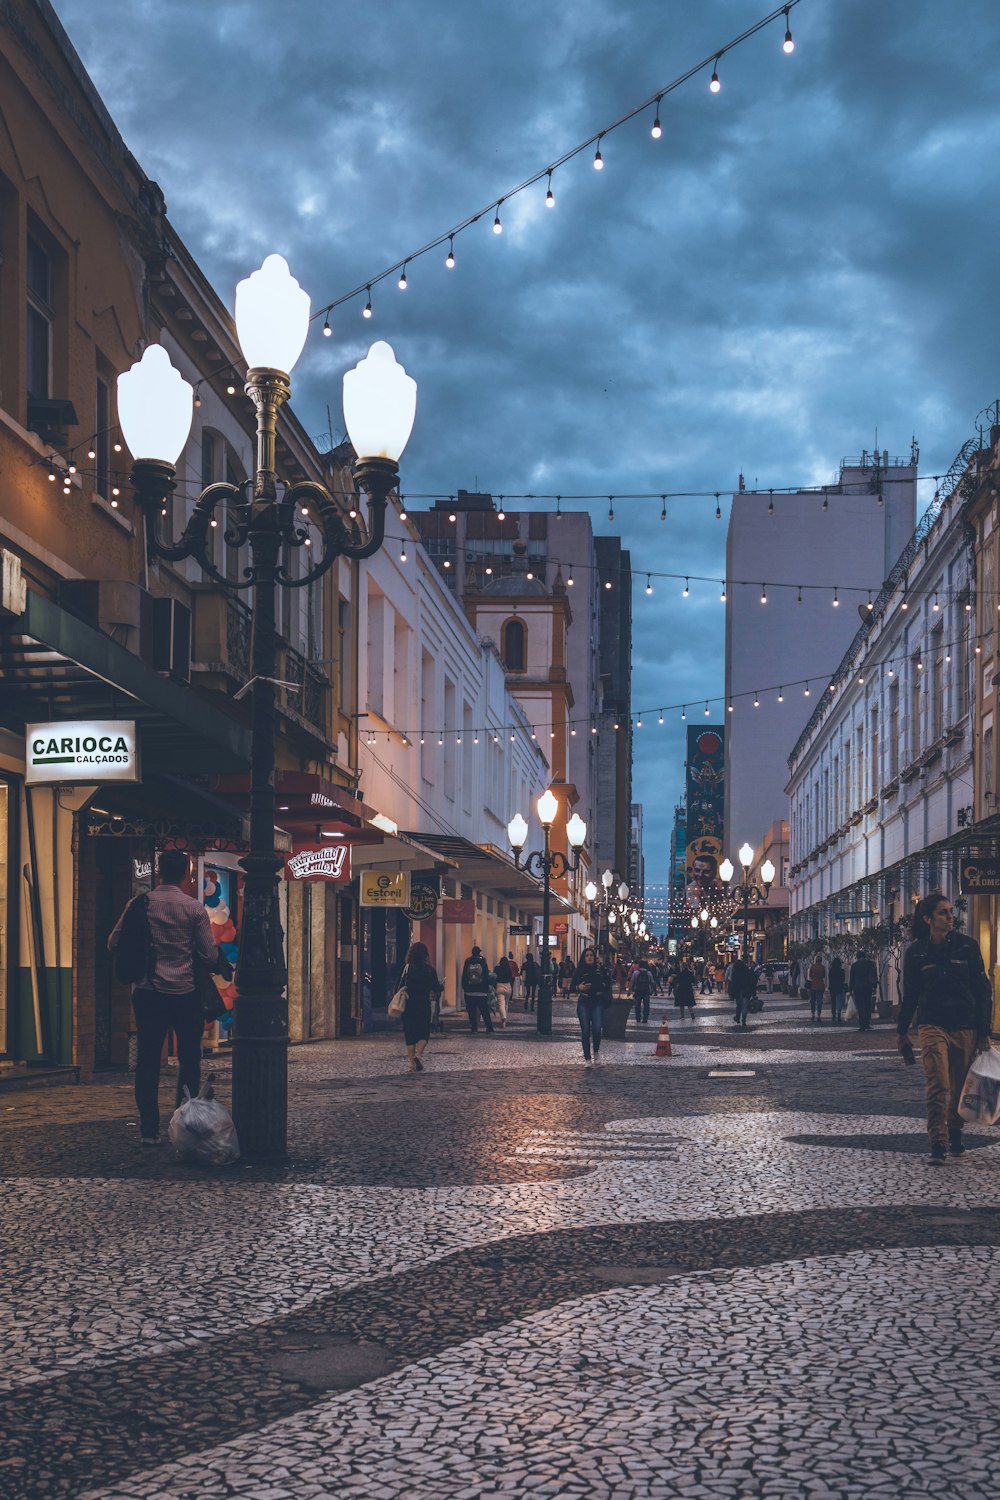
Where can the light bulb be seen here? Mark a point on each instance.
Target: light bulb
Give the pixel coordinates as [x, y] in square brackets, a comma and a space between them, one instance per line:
[401, 283]
[788, 45]
[713, 83]
[649, 586]
[686, 590]
[763, 593]
[657, 129]
[836, 600]
[91, 453]
[497, 226]
[598, 159]
[366, 311]
[707, 715]
[449, 259]
[327, 330]
[550, 197]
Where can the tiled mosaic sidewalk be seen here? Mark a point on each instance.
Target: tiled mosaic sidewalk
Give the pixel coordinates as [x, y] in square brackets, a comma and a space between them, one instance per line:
[509, 1275]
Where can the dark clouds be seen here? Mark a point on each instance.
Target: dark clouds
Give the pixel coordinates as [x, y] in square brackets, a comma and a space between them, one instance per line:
[797, 261]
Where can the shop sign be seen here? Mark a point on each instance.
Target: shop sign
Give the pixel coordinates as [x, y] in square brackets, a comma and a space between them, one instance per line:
[458, 912]
[980, 876]
[332, 862]
[82, 750]
[423, 898]
[560, 926]
[385, 888]
[519, 929]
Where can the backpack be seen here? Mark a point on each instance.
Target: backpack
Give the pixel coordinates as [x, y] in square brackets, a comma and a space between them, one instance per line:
[134, 957]
[475, 974]
[641, 985]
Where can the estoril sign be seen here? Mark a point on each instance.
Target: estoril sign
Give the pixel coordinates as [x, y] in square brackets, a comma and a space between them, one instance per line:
[82, 750]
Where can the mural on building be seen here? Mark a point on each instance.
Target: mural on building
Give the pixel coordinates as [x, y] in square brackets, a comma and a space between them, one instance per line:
[705, 796]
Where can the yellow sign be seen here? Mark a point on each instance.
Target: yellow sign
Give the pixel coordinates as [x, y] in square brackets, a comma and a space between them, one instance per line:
[385, 887]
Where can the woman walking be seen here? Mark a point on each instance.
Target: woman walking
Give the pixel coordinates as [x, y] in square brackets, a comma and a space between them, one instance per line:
[837, 983]
[530, 972]
[682, 984]
[594, 989]
[422, 986]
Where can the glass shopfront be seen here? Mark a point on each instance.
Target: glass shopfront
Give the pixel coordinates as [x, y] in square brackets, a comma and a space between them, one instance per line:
[8, 909]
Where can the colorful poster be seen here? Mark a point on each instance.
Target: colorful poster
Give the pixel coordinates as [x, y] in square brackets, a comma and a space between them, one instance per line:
[705, 808]
[219, 895]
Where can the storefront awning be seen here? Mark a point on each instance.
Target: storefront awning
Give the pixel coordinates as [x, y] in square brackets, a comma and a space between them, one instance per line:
[488, 869]
[55, 666]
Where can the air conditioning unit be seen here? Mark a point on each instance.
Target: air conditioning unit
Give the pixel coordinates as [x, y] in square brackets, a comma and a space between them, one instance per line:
[111, 604]
[168, 644]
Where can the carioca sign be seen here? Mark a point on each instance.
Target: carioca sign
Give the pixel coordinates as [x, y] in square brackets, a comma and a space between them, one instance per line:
[82, 750]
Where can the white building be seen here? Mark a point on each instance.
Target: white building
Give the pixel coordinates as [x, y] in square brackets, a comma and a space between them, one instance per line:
[447, 755]
[881, 770]
[787, 547]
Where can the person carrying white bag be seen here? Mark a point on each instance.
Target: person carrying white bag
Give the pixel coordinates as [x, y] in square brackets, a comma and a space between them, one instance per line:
[980, 1101]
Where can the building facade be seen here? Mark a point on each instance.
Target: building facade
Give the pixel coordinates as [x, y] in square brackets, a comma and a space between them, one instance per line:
[793, 550]
[881, 774]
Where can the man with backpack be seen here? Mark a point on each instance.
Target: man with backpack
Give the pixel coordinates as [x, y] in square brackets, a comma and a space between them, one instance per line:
[475, 990]
[156, 942]
[642, 989]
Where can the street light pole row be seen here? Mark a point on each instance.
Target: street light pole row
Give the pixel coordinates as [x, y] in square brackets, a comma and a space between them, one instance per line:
[546, 862]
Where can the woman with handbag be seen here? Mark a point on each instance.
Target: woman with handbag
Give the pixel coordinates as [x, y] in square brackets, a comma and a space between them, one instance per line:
[422, 986]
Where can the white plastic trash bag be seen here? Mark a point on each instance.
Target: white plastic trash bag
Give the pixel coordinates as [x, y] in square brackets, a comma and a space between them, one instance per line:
[980, 1102]
[202, 1129]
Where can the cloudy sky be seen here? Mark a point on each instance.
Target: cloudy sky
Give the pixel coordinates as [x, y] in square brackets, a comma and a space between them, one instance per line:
[802, 258]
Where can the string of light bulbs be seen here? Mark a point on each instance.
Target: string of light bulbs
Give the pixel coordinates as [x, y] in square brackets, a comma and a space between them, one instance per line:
[652, 102]
[820, 684]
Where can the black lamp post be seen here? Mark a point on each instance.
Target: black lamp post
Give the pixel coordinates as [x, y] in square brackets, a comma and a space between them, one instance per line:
[748, 893]
[704, 921]
[546, 863]
[155, 411]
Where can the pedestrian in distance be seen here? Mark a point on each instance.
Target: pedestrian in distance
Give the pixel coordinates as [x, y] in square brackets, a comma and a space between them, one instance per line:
[423, 989]
[862, 982]
[165, 999]
[837, 981]
[504, 989]
[946, 988]
[682, 985]
[531, 973]
[593, 989]
[742, 989]
[642, 989]
[719, 975]
[475, 990]
[817, 984]
[567, 969]
[515, 974]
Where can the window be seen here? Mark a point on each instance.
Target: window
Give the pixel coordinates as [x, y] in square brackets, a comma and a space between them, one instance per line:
[988, 771]
[915, 707]
[937, 684]
[861, 767]
[514, 648]
[893, 729]
[873, 734]
[39, 322]
[344, 654]
[449, 734]
[962, 662]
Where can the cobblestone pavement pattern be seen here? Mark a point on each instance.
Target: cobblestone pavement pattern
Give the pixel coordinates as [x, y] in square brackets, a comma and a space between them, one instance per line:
[510, 1275]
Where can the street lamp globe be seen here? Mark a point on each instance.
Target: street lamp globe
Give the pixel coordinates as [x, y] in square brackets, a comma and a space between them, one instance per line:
[623, 890]
[634, 918]
[607, 880]
[612, 918]
[155, 406]
[703, 914]
[746, 856]
[714, 922]
[272, 317]
[548, 806]
[576, 831]
[694, 921]
[767, 872]
[517, 831]
[726, 871]
[590, 891]
[380, 403]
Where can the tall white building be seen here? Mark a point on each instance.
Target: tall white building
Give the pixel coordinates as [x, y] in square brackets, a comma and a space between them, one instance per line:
[793, 547]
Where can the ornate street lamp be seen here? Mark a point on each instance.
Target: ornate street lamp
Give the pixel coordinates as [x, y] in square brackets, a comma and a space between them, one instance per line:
[546, 863]
[155, 410]
[748, 893]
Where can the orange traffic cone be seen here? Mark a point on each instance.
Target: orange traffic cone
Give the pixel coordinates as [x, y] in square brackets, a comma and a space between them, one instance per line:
[663, 1047]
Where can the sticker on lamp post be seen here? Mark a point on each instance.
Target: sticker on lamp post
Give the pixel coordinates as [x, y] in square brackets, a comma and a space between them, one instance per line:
[81, 750]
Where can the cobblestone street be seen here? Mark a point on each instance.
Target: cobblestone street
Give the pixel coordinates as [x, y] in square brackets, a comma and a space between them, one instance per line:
[511, 1275]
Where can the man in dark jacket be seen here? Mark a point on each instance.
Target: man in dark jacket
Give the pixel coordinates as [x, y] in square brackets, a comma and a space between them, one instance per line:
[642, 989]
[742, 989]
[475, 990]
[862, 982]
[945, 986]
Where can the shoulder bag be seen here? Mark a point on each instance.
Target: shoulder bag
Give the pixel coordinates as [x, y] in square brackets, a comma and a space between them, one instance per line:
[397, 1004]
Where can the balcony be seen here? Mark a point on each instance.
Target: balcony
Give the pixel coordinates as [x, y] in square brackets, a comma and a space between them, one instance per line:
[222, 646]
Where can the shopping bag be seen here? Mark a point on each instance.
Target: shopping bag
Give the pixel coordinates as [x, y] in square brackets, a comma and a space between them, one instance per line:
[851, 1010]
[980, 1102]
[202, 1129]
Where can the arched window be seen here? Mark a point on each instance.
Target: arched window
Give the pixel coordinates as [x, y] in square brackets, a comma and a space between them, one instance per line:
[514, 649]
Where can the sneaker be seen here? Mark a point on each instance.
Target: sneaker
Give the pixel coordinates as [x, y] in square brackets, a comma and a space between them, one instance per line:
[939, 1153]
[955, 1144]
[418, 1064]
[150, 1140]
[597, 1057]
[587, 1063]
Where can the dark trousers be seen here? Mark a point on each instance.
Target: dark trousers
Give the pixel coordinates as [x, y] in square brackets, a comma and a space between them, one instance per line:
[642, 1007]
[863, 1001]
[591, 1018]
[530, 992]
[476, 1006]
[155, 1015]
